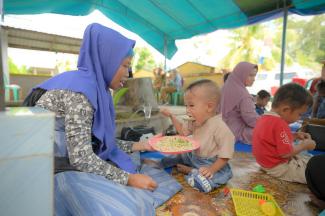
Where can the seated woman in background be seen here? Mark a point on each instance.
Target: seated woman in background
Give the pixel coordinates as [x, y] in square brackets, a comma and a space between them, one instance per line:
[174, 84]
[159, 79]
[237, 105]
[319, 101]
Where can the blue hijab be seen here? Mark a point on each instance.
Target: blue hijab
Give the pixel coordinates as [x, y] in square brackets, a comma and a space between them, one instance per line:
[101, 53]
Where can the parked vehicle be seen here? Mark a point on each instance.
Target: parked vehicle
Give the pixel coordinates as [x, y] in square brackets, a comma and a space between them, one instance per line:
[270, 81]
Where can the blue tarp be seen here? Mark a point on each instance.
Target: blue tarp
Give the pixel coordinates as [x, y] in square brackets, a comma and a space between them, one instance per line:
[161, 22]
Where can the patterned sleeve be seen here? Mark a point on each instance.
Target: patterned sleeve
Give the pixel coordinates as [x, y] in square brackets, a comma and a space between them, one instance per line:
[78, 114]
[125, 145]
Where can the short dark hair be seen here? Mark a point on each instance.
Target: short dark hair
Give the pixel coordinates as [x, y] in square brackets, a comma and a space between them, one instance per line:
[198, 83]
[293, 95]
[263, 94]
[212, 88]
[321, 86]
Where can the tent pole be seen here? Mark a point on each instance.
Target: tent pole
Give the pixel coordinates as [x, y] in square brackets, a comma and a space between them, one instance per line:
[2, 11]
[165, 53]
[2, 86]
[283, 45]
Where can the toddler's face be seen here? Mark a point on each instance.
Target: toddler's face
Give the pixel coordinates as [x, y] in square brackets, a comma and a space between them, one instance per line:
[291, 116]
[196, 106]
[265, 101]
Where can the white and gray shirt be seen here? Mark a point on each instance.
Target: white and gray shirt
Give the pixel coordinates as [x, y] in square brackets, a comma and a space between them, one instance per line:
[78, 116]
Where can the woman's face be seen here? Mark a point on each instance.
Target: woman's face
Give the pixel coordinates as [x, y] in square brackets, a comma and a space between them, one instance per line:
[122, 74]
[251, 78]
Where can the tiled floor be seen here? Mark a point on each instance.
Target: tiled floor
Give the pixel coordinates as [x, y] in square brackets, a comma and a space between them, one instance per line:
[292, 198]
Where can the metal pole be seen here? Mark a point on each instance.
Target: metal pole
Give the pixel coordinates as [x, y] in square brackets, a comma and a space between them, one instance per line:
[2, 86]
[2, 11]
[283, 45]
[165, 53]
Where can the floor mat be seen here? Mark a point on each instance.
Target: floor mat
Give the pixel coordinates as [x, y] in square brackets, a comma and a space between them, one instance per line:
[292, 198]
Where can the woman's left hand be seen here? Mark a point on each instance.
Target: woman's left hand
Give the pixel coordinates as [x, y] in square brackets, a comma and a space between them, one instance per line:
[142, 146]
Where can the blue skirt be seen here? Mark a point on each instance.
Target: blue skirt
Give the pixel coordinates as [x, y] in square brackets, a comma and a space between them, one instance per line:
[79, 193]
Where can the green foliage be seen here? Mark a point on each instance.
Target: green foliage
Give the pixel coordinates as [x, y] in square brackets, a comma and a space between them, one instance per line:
[118, 95]
[14, 69]
[305, 43]
[244, 44]
[144, 59]
[63, 65]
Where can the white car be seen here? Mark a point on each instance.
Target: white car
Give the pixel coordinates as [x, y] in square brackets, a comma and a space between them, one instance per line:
[270, 81]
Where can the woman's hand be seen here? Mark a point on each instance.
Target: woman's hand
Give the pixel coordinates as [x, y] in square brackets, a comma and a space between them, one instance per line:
[142, 146]
[142, 181]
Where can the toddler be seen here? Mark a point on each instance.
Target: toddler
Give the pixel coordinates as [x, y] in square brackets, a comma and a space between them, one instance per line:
[206, 168]
[262, 98]
[273, 141]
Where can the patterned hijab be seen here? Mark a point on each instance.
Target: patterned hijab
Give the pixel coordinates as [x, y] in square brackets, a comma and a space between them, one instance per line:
[101, 53]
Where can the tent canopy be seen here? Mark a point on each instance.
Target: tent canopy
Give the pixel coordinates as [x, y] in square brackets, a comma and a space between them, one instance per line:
[161, 22]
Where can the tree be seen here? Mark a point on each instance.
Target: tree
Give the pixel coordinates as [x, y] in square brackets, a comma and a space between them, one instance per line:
[63, 65]
[246, 44]
[305, 40]
[14, 69]
[144, 59]
[305, 43]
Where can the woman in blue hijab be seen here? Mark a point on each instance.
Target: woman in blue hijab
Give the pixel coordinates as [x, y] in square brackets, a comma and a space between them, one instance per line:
[85, 133]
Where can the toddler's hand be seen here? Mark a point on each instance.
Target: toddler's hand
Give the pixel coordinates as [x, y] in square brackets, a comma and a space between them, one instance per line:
[302, 135]
[142, 181]
[206, 172]
[309, 144]
[166, 112]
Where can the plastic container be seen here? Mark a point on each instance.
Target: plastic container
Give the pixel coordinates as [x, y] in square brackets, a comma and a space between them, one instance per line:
[247, 203]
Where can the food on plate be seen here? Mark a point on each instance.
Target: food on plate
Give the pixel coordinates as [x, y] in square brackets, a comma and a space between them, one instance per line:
[173, 144]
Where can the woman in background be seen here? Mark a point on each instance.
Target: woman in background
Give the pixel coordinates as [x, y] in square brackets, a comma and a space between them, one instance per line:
[237, 105]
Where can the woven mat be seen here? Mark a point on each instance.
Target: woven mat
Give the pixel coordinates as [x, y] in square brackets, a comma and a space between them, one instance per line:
[292, 198]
